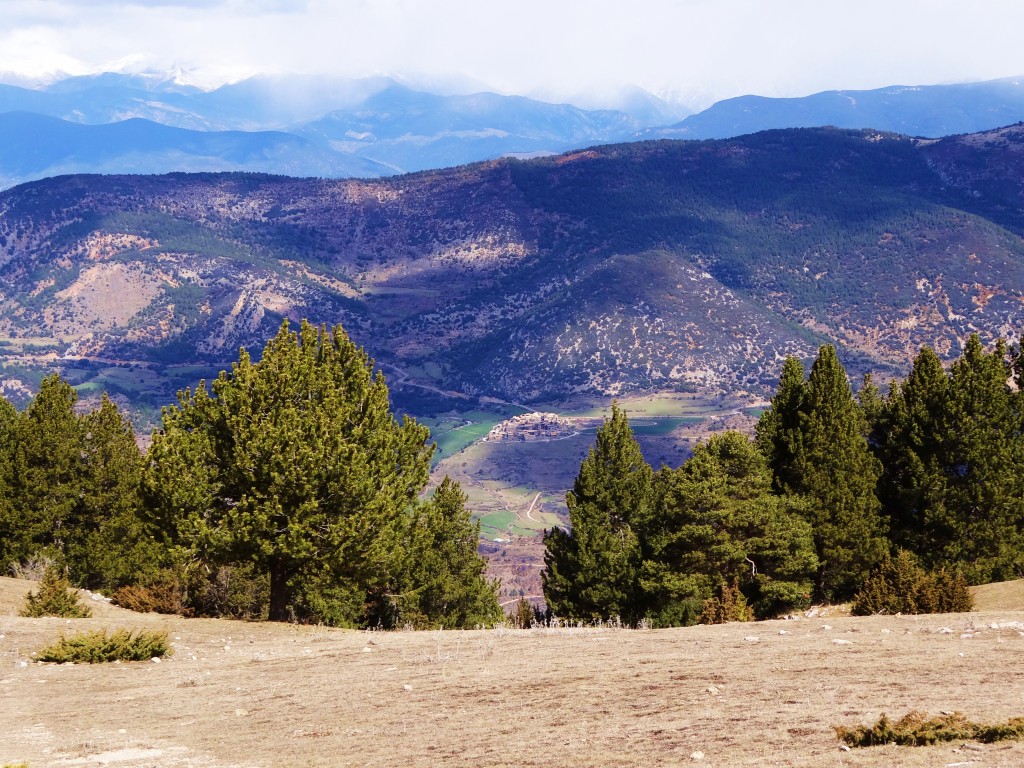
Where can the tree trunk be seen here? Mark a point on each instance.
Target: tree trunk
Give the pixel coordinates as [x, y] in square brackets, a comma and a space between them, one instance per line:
[279, 591]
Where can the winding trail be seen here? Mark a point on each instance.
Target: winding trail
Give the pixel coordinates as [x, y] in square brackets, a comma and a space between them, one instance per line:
[529, 516]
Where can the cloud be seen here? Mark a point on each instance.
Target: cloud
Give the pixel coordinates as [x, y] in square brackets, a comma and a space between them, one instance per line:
[701, 48]
[244, 7]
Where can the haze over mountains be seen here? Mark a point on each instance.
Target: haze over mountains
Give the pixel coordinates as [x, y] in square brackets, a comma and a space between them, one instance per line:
[334, 128]
[299, 126]
[638, 267]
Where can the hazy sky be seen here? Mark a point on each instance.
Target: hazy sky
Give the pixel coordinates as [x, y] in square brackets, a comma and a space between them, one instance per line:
[700, 50]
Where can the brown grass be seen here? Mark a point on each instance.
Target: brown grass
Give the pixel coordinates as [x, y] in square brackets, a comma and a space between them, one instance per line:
[238, 694]
[1004, 596]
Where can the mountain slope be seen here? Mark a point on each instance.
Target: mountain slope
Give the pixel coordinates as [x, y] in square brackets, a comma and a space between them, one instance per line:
[33, 146]
[636, 267]
[340, 127]
[929, 110]
[414, 131]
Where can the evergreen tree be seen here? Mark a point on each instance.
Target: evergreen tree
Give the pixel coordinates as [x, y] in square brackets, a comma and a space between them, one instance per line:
[953, 449]
[984, 452]
[71, 488]
[46, 472]
[10, 529]
[55, 598]
[838, 475]
[912, 487]
[445, 583]
[591, 571]
[814, 438]
[296, 465]
[111, 545]
[779, 432]
[872, 407]
[718, 522]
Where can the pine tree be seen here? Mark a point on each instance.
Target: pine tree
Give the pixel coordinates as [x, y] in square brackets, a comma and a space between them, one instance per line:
[111, 545]
[445, 583]
[46, 470]
[912, 487]
[779, 432]
[10, 529]
[872, 408]
[296, 465]
[984, 453]
[55, 598]
[814, 438]
[591, 571]
[953, 449]
[718, 522]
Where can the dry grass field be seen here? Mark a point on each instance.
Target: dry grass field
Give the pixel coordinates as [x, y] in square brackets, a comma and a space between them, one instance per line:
[764, 694]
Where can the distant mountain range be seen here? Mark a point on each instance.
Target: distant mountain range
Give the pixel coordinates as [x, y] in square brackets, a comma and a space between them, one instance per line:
[300, 126]
[638, 267]
[34, 146]
[930, 110]
[311, 126]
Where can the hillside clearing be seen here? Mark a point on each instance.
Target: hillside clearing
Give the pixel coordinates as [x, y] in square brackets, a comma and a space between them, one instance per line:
[239, 694]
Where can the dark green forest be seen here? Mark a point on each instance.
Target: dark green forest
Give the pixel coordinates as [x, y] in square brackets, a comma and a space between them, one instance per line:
[897, 502]
[285, 489]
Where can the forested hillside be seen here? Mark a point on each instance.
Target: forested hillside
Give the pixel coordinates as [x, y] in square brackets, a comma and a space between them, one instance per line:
[639, 267]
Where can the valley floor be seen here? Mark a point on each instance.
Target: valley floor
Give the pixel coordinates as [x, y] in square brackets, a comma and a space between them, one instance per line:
[762, 694]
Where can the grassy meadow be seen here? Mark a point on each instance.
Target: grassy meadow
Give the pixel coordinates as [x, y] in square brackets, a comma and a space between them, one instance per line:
[282, 696]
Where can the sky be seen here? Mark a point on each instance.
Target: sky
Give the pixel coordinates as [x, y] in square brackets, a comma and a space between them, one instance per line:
[696, 51]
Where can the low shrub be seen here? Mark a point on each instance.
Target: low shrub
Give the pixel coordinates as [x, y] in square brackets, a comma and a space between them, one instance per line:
[728, 604]
[33, 568]
[236, 591]
[226, 591]
[97, 647]
[162, 595]
[524, 615]
[901, 585]
[55, 597]
[916, 729]
[678, 613]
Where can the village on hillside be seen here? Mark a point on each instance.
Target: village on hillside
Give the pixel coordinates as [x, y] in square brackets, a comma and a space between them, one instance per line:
[534, 426]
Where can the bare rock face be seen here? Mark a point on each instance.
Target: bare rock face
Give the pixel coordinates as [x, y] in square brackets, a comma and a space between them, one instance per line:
[655, 266]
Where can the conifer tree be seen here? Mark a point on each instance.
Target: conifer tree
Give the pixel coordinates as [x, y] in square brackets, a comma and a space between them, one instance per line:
[445, 583]
[10, 530]
[294, 464]
[718, 522]
[54, 598]
[872, 407]
[111, 546]
[46, 471]
[779, 434]
[591, 571]
[911, 446]
[819, 452]
[984, 500]
[953, 449]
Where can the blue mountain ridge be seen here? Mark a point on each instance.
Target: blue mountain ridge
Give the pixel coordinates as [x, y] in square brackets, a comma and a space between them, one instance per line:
[370, 127]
